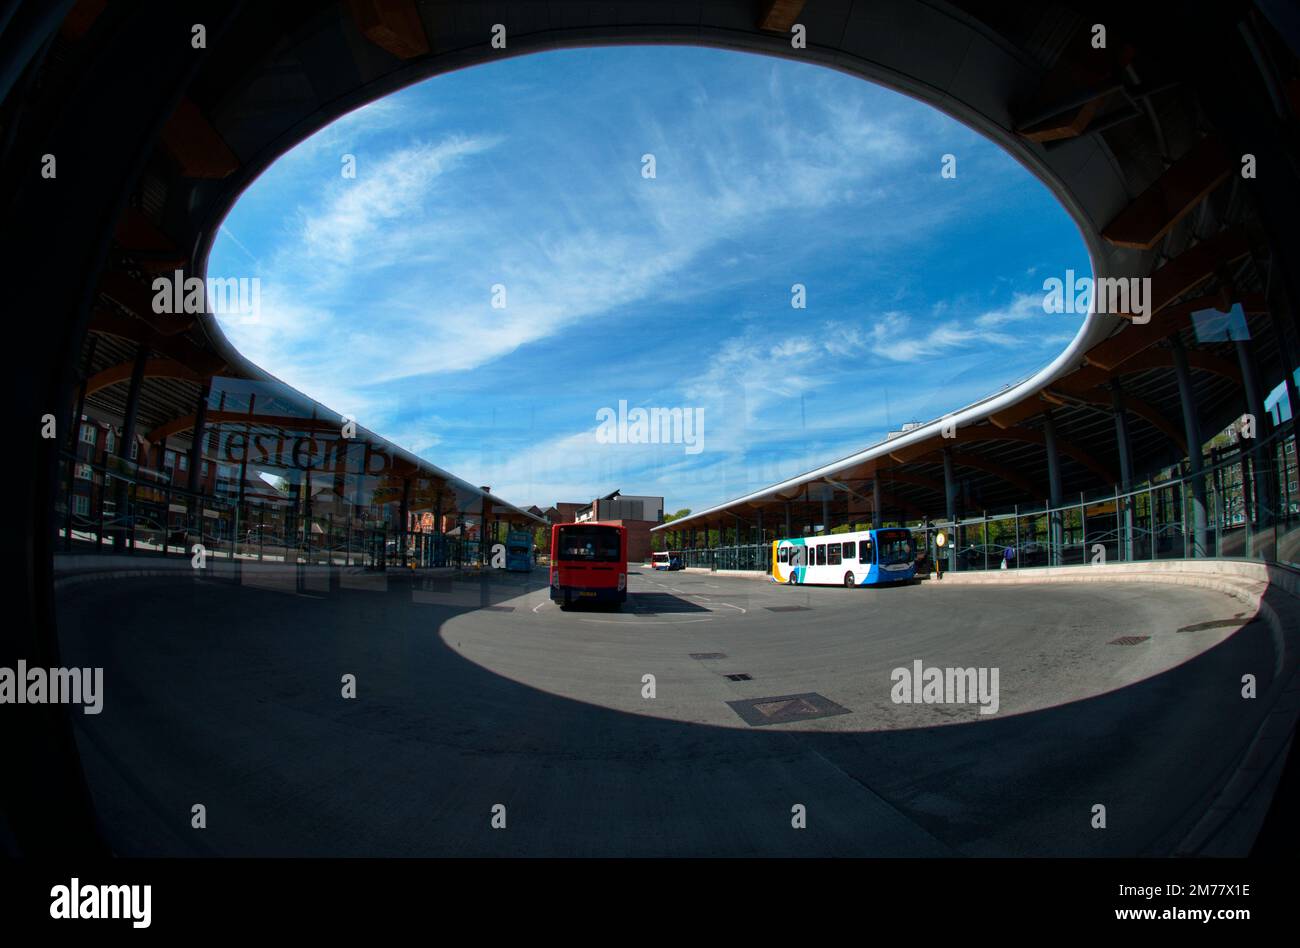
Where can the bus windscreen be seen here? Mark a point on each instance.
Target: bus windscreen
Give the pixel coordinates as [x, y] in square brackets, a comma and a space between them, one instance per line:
[895, 547]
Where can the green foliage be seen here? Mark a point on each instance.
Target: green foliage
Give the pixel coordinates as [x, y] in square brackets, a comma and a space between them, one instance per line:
[658, 541]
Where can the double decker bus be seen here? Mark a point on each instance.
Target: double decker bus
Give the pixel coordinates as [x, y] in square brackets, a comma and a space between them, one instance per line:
[588, 562]
[863, 558]
[519, 551]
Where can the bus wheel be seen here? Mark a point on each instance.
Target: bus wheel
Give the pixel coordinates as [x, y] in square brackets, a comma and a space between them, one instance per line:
[848, 580]
[794, 578]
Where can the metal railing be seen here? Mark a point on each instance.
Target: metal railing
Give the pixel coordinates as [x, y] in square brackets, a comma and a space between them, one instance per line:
[114, 506]
[1240, 506]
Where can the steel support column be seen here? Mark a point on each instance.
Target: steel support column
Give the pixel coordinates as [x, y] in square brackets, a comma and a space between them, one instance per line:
[75, 451]
[404, 513]
[1255, 405]
[876, 493]
[1123, 446]
[124, 446]
[1055, 537]
[950, 507]
[440, 541]
[1192, 426]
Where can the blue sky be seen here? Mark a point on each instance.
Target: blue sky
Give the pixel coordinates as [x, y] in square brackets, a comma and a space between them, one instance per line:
[923, 293]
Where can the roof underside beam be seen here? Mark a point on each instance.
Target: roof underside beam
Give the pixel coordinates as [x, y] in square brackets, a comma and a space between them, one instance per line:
[1156, 210]
[392, 25]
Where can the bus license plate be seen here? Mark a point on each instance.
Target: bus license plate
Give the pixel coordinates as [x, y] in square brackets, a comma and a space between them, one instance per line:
[586, 594]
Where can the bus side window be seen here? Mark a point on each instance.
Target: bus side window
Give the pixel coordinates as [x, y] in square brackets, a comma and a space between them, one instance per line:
[848, 551]
[821, 554]
[864, 551]
[783, 555]
[833, 554]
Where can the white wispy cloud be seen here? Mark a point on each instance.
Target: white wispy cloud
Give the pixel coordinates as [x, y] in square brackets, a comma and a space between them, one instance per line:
[374, 286]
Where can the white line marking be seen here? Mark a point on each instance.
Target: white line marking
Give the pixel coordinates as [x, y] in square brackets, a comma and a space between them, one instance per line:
[730, 606]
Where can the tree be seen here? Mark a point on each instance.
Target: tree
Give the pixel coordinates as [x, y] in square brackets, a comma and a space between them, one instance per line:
[659, 540]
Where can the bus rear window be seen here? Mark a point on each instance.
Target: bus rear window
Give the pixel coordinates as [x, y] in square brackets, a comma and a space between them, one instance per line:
[589, 545]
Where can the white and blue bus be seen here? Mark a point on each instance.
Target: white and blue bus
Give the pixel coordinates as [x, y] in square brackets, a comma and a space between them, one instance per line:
[863, 558]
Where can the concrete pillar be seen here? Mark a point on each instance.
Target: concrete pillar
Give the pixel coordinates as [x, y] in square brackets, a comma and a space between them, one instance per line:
[876, 502]
[1192, 426]
[789, 529]
[1056, 534]
[826, 515]
[760, 528]
[1123, 446]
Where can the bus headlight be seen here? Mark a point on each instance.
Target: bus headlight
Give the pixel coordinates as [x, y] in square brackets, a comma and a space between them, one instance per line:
[622, 581]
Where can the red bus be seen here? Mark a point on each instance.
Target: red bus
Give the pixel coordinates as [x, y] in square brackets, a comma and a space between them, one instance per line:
[588, 562]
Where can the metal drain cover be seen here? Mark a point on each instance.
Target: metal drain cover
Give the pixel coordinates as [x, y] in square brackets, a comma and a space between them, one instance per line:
[1129, 640]
[741, 676]
[705, 655]
[788, 608]
[782, 709]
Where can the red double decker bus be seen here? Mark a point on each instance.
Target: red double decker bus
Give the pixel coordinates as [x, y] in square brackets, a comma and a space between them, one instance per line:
[588, 562]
